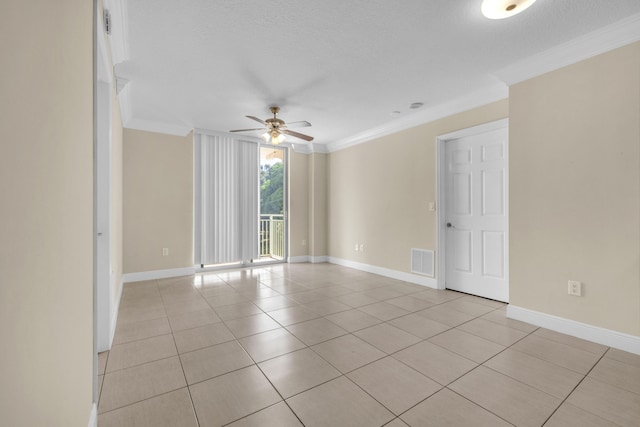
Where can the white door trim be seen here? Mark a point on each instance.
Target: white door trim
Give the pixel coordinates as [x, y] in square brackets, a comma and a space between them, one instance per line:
[441, 169]
[104, 287]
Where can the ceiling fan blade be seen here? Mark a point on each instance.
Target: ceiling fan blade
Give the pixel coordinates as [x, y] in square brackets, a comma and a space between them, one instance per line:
[256, 119]
[297, 135]
[300, 124]
[246, 130]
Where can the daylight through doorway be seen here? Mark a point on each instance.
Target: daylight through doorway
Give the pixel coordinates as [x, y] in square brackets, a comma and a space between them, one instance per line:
[273, 226]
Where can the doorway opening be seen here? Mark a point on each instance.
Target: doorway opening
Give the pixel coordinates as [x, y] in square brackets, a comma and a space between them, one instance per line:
[273, 215]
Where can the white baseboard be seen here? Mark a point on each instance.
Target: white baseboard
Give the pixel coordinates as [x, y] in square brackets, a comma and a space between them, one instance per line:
[307, 258]
[93, 416]
[158, 274]
[394, 274]
[298, 259]
[619, 340]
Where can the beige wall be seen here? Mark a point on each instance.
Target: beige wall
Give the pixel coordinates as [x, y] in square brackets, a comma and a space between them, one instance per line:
[307, 204]
[298, 204]
[317, 205]
[152, 160]
[379, 192]
[575, 191]
[158, 201]
[46, 188]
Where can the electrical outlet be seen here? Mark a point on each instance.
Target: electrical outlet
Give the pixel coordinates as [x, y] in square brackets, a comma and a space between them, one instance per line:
[361, 247]
[356, 247]
[574, 288]
[165, 251]
[304, 243]
[432, 206]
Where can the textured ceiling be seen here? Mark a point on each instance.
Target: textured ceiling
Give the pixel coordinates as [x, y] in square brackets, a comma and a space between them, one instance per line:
[342, 65]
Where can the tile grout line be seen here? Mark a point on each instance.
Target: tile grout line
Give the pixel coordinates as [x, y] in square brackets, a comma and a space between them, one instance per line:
[576, 387]
[268, 380]
[454, 380]
[475, 403]
[142, 400]
[193, 406]
[288, 277]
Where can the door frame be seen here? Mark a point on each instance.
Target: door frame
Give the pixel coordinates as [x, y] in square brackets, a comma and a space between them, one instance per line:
[441, 214]
[104, 286]
[285, 202]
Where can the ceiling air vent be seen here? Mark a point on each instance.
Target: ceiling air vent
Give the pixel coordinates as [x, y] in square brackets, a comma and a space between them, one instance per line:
[422, 262]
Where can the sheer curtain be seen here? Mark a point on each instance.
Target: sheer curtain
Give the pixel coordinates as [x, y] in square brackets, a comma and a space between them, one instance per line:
[226, 199]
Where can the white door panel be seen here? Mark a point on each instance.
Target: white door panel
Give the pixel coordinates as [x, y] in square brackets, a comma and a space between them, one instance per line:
[476, 210]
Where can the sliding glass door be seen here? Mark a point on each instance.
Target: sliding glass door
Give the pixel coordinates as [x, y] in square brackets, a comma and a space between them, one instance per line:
[273, 190]
[240, 201]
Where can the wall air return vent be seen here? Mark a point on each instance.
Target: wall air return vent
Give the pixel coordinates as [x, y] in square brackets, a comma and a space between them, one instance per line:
[422, 262]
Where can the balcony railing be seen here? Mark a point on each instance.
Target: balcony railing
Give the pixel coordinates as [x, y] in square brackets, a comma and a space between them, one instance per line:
[272, 236]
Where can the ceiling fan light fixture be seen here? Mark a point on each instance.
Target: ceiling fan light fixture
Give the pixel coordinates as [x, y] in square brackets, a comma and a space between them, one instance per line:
[274, 137]
[500, 9]
[278, 139]
[275, 128]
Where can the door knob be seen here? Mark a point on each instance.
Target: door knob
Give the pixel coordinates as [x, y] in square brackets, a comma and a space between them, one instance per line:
[449, 225]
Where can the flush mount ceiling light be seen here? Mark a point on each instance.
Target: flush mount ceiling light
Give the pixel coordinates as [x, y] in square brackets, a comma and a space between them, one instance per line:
[499, 9]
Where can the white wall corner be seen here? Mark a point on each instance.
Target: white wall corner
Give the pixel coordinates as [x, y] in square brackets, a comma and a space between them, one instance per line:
[126, 108]
[610, 338]
[93, 416]
[393, 274]
[613, 36]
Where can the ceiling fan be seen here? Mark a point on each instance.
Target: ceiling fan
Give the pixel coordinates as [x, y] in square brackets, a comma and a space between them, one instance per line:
[276, 129]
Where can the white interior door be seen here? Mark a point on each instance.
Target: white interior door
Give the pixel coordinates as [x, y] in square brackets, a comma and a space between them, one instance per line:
[476, 214]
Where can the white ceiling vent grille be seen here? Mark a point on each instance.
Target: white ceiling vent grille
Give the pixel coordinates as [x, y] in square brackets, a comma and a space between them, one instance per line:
[422, 261]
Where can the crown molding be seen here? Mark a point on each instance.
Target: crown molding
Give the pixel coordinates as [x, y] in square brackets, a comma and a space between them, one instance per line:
[613, 36]
[298, 147]
[155, 126]
[319, 148]
[600, 41]
[119, 37]
[301, 148]
[223, 134]
[495, 92]
[182, 130]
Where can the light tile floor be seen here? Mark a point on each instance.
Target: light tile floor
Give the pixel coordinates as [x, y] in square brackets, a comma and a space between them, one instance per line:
[324, 345]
